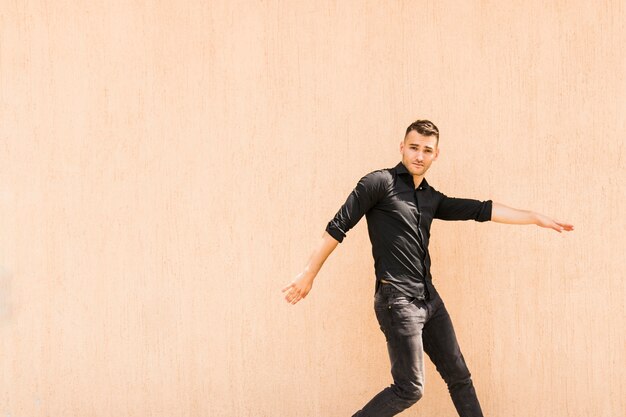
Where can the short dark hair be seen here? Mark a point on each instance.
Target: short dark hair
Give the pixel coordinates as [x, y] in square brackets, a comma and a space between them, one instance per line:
[423, 127]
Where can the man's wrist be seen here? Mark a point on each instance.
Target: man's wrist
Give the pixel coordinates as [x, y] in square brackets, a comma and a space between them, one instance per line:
[308, 273]
[534, 217]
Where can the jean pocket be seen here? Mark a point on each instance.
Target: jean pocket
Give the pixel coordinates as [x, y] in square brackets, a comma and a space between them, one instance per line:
[400, 300]
[395, 300]
[407, 319]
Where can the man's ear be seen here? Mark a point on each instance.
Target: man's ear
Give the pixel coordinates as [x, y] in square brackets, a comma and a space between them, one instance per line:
[436, 154]
[401, 145]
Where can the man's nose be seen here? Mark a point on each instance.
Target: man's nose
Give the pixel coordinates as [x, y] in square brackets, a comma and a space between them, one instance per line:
[420, 156]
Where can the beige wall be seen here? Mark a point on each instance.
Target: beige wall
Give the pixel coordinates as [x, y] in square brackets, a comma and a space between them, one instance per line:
[167, 167]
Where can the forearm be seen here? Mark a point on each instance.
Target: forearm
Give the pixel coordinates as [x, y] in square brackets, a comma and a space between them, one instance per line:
[505, 214]
[319, 255]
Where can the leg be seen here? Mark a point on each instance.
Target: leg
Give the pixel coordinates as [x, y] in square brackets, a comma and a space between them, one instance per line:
[401, 320]
[443, 349]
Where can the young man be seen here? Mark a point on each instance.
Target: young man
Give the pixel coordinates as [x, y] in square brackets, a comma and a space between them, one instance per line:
[400, 206]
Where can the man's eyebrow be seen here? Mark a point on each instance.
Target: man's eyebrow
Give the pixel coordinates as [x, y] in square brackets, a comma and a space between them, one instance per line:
[425, 146]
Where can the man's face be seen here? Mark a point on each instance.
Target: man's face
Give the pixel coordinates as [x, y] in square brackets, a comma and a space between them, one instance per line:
[418, 152]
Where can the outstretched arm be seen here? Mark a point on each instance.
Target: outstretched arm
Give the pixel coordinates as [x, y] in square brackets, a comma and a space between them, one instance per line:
[368, 191]
[303, 282]
[504, 214]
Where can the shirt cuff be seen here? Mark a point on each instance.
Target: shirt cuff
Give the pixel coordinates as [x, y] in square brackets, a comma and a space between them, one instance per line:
[335, 232]
[485, 211]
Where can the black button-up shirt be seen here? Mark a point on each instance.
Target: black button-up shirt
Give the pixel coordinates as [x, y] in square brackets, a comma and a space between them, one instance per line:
[399, 216]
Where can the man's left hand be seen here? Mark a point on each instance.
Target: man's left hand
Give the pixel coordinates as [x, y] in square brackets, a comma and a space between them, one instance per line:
[559, 226]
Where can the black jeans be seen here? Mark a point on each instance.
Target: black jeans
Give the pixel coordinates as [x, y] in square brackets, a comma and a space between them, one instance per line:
[411, 327]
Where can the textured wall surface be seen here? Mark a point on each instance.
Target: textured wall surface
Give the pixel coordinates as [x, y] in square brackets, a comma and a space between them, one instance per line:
[167, 167]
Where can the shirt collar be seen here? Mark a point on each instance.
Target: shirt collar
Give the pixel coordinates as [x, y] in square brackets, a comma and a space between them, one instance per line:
[401, 169]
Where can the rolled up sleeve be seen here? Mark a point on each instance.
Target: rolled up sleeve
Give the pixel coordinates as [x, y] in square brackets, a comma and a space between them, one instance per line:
[451, 208]
[368, 191]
